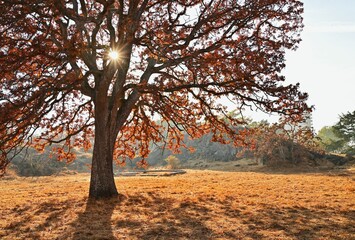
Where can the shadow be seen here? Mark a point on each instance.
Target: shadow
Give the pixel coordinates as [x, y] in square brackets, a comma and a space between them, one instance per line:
[295, 222]
[149, 215]
[171, 221]
[50, 212]
[52, 217]
[302, 223]
[154, 215]
[140, 216]
[95, 222]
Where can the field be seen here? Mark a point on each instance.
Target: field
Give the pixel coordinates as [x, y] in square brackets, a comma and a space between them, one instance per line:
[195, 205]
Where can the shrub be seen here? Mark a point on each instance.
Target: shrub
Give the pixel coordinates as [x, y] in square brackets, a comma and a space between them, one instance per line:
[173, 162]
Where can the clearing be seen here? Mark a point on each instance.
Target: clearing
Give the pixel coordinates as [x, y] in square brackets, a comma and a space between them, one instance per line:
[195, 205]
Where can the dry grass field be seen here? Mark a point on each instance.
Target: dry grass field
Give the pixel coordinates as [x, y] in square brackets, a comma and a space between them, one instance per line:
[196, 205]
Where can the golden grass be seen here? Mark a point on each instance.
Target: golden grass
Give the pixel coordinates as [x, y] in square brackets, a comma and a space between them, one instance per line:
[196, 205]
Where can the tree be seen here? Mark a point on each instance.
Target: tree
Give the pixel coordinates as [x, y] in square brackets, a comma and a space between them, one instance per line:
[77, 69]
[330, 140]
[345, 130]
[340, 137]
[282, 142]
[345, 127]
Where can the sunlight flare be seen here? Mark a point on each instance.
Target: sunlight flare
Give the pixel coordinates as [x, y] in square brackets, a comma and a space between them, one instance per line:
[113, 55]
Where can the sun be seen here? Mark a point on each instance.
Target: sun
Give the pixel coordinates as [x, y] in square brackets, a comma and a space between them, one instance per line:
[113, 55]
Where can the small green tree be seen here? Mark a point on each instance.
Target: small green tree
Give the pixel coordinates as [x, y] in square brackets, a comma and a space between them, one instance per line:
[330, 140]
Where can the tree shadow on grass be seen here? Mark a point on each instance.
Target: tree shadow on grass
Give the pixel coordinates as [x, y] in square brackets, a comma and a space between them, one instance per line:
[296, 222]
[153, 215]
[36, 220]
[140, 217]
[95, 222]
[176, 221]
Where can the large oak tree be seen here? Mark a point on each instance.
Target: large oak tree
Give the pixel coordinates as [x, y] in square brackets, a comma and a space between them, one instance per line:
[61, 83]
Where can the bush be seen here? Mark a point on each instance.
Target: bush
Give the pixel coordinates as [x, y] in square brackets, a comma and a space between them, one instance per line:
[173, 162]
[274, 145]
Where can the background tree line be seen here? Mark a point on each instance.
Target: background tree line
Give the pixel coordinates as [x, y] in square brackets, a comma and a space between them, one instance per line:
[269, 144]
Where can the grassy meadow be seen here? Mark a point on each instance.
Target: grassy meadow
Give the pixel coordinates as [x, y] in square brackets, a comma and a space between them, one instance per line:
[195, 205]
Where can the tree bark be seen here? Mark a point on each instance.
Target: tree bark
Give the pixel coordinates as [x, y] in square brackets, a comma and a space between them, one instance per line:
[108, 122]
[102, 182]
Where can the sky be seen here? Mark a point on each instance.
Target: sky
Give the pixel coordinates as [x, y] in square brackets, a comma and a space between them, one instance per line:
[324, 63]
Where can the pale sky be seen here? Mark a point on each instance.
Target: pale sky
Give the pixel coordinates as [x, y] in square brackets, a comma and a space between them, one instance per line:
[324, 63]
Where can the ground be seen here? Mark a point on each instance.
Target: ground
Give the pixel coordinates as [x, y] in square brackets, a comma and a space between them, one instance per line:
[195, 205]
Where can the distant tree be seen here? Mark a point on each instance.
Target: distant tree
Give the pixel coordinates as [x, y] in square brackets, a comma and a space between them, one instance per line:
[76, 69]
[278, 143]
[329, 139]
[345, 129]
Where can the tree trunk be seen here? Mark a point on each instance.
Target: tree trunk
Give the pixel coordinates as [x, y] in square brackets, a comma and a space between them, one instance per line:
[102, 182]
[108, 122]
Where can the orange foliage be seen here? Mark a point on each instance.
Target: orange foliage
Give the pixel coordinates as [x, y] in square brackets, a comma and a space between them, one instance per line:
[59, 85]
